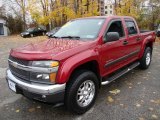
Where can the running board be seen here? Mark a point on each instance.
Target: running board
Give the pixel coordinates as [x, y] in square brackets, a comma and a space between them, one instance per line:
[119, 74]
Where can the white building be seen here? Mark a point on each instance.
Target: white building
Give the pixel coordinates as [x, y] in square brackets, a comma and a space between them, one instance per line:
[4, 31]
[109, 8]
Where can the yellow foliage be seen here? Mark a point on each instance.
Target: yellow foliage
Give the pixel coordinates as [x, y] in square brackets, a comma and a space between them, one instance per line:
[60, 12]
[128, 8]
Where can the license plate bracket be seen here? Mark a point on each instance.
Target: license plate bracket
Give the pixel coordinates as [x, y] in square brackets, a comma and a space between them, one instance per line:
[12, 85]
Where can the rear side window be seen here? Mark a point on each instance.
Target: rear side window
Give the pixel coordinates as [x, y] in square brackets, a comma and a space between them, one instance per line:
[131, 27]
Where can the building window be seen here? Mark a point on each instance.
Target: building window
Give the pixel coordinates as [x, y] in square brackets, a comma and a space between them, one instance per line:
[1, 29]
[111, 6]
[106, 12]
[110, 12]
[105, 7]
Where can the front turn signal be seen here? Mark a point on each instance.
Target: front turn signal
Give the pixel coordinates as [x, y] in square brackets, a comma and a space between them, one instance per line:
[52, 77]
[54, 64]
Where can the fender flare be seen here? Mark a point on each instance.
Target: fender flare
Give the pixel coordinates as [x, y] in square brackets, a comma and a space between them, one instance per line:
[69, 65]
[145, 42]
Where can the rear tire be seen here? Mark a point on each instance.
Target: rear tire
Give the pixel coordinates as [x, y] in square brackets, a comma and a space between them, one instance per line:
[146, 59]
[81, 91]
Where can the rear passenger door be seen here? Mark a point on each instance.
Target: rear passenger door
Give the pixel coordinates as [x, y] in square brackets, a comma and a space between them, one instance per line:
[133, 40]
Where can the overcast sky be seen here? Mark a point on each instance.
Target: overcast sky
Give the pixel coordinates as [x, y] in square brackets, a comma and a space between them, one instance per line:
[0, 3]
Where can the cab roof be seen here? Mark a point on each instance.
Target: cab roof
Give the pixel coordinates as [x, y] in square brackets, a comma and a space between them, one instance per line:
[105, 17]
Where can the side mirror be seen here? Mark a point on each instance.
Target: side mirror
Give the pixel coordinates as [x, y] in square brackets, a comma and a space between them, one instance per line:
[111, 36]
[158, 33]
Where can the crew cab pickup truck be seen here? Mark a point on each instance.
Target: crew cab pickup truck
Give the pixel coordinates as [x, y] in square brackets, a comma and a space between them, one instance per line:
[84, 54]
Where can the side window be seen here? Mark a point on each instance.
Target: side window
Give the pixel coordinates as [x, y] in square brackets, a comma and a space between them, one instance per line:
[116, 26]
[131, 27]
[36, 29]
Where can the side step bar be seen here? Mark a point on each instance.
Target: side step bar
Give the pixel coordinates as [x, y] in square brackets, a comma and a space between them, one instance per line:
[119, 74]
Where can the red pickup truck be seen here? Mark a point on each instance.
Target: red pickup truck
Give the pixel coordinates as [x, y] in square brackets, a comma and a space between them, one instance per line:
[84, 54]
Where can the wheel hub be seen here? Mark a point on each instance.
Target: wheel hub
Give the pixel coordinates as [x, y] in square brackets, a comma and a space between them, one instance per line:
[85, 93]
[148, 58]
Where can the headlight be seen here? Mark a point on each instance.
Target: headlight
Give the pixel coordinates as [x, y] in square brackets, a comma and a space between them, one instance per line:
[46, 64]
[44, 77]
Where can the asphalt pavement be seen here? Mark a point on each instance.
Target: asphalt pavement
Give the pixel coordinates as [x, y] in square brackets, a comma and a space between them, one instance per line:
[135, 96]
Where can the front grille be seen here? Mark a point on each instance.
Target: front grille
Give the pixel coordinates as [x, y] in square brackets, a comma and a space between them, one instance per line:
[19, 73]
[25, 75]
[20, 61]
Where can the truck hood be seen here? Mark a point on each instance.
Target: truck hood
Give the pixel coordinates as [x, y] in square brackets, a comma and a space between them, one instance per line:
[52, 49]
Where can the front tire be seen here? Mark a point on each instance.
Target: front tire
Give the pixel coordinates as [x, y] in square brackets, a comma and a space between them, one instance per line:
[146, 59]
[81, 91]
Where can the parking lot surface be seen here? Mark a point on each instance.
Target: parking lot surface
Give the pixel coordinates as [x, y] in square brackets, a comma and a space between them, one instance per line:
[135, 96]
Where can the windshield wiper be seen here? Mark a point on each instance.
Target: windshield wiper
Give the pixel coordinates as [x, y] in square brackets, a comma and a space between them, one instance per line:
[71, 37]
[55, 37]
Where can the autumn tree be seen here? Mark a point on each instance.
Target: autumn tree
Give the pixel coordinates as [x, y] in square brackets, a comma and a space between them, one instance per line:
[23, 9]
[128, 8]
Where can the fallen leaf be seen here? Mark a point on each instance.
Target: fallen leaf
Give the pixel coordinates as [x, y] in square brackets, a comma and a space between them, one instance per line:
[31, 109]
[144, 77]
[151, 100]
[110, 99]
[141, 119]
[138, 105]
[17, 111]
[139, 83]
[155, 117]
[129, 84]
[122, 105]
[38, 107]
[157, 101]
[116, 91]
[130, 87]
[151, 109]
[6, 105]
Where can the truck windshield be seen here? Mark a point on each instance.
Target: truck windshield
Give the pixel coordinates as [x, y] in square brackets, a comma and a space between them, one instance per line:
[80, 29]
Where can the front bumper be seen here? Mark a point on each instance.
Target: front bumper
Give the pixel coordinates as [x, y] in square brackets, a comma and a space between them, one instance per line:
[41, 92]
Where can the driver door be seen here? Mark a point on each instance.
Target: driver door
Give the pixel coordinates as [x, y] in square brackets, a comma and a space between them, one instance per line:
[112, 53]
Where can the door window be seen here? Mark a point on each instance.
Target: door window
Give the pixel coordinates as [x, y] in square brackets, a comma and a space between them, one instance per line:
[131, 27]
[116, 26]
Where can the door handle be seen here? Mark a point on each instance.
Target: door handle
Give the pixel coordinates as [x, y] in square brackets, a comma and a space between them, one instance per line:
[125, 42]
[138, 38]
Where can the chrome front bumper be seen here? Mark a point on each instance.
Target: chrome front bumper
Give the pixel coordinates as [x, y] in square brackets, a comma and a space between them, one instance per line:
[35, 87]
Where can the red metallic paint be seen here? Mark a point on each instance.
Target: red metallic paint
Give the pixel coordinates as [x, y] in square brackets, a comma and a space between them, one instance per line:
[73, 53]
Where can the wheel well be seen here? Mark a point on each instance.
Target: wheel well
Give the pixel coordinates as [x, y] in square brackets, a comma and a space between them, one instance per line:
[91, 66]
[150, 44]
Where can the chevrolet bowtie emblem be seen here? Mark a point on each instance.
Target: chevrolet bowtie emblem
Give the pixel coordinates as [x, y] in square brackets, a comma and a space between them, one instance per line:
[15, 64]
